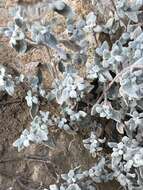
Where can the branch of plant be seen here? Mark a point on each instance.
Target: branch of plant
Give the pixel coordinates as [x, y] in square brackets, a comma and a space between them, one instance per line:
[134, 66]
[26, 158]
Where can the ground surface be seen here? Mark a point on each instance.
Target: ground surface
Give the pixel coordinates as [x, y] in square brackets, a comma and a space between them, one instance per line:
[31, 168]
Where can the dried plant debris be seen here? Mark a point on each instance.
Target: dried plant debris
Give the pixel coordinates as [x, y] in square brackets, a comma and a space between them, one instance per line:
[97, 87]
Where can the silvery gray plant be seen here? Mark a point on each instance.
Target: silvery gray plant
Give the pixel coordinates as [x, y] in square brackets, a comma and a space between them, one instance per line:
[6, 81]
[99, 173]
[74, 175]
[69, 118]
[71, 87]
[105, 110]
[127, 158]
[94, 144]
[108, 88]
[38, 132]
[31, 99]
